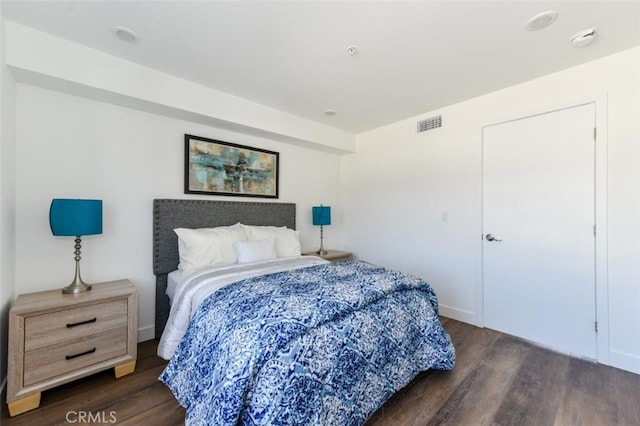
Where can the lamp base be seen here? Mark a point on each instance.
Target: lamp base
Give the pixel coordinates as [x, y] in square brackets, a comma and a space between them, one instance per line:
[74, 288]
[321, 251]
[77, 285]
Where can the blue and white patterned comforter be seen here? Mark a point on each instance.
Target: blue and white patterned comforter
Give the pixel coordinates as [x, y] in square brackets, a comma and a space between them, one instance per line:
[321, 345]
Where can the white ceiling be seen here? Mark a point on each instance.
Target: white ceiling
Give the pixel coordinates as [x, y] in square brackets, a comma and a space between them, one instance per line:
[412, 57]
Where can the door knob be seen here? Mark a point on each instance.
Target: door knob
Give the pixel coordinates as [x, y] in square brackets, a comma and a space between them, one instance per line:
[490, 237]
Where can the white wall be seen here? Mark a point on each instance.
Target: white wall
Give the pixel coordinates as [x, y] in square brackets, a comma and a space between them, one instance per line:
[7, 199]
[69, 146]
[399, 187]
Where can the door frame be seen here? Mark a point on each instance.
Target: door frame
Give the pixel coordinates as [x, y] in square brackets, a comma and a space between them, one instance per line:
[600, 213]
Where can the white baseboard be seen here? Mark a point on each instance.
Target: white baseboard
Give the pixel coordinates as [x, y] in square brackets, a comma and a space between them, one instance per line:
[625, 361]
[146, 333]
[460, 315]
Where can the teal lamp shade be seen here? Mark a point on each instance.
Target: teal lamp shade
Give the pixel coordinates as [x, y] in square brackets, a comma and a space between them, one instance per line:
[321, 215]
[73, 218]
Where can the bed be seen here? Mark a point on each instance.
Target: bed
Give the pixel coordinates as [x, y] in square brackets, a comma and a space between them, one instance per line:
[286, 339]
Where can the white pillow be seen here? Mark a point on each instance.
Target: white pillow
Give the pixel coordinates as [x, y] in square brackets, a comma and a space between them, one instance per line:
[204, 247]
[251, 251]
[287, 240]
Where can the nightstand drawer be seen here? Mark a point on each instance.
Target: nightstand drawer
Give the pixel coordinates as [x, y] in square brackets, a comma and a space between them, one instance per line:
[62, 358]
[62, 326]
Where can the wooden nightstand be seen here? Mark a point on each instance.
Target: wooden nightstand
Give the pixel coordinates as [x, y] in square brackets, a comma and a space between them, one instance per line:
[332, 255]
[55, 338]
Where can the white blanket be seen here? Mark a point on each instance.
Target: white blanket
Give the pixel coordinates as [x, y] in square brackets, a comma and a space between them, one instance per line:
[198, 286]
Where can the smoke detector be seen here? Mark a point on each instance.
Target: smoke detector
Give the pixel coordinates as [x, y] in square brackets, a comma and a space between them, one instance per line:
[583, 38]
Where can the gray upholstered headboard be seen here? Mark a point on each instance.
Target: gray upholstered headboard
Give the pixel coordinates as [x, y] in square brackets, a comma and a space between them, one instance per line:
[170, 214]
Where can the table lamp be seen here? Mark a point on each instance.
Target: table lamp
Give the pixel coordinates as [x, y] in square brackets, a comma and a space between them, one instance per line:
[75, 218]
[321, 216]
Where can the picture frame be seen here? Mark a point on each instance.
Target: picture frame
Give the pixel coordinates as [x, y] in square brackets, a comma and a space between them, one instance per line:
[214, 167]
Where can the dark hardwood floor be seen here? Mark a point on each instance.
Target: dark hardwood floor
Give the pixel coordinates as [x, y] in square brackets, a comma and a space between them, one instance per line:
[497, 380]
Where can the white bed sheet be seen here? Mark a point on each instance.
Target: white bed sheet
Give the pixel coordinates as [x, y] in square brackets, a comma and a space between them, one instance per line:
[197, 286]
[174, 278]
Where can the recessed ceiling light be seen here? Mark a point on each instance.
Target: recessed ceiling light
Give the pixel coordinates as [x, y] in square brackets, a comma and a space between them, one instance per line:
[541, 20]
[584, 37]
[330, 112]
[125, 34]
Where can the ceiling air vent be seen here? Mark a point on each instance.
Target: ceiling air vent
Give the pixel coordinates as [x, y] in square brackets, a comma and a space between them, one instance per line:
[429, 123]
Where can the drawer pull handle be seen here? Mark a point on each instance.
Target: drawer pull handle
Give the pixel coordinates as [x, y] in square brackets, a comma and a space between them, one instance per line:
[90, 351]
[82, 322]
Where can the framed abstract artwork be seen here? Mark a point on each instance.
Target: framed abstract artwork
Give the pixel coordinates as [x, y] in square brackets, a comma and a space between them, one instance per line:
[222, 168]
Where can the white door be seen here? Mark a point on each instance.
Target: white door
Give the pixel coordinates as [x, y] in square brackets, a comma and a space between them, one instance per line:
[538, 224]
